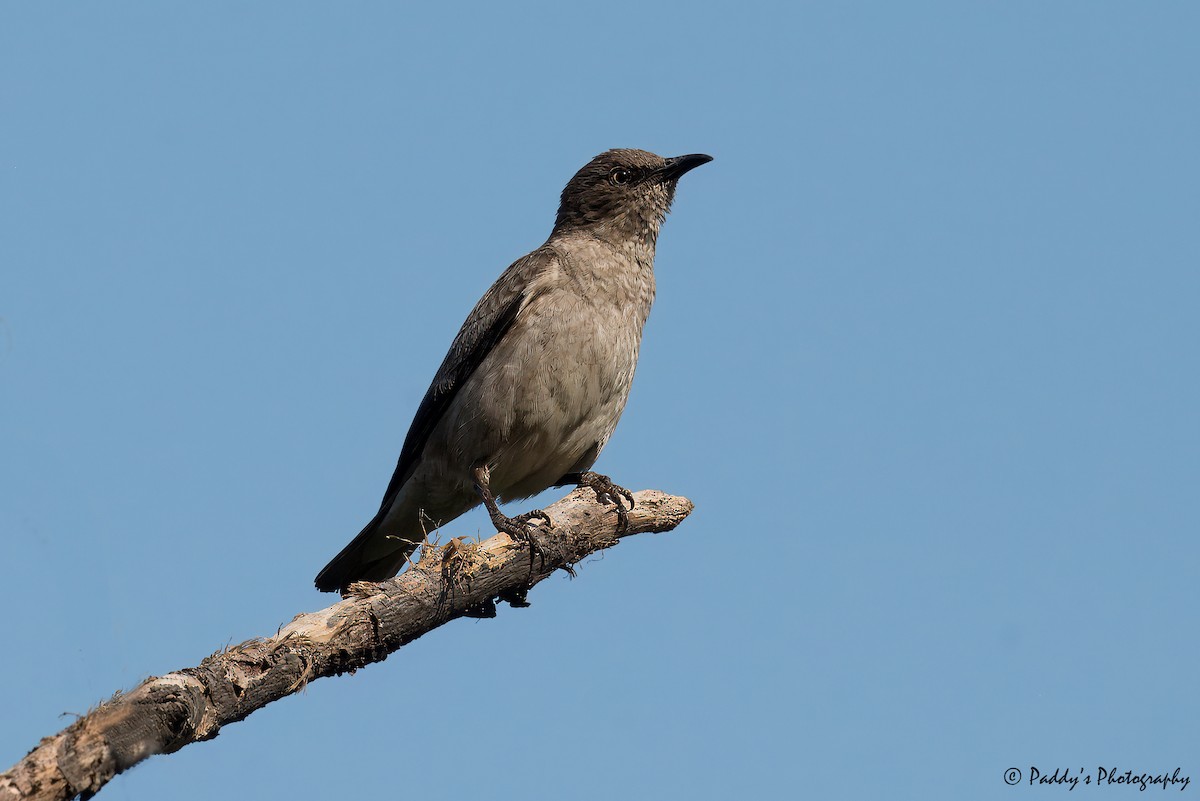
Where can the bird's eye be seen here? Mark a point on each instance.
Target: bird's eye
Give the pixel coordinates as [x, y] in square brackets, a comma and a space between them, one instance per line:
[620, 176]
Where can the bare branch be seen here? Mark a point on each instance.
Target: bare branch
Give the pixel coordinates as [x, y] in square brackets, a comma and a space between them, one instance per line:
[459, 579]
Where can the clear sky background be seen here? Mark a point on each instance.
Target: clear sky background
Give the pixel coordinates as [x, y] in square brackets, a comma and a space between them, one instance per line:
[923, 355]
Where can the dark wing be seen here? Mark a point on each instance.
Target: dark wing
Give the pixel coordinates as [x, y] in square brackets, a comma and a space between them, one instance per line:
[486, 325]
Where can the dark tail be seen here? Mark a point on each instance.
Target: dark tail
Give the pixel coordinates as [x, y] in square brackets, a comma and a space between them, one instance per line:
[371, 556]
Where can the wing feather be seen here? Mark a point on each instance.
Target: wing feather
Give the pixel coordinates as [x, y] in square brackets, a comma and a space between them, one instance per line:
[485, 326]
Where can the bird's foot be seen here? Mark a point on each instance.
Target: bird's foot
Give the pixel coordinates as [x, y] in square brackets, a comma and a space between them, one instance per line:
[608, 492]
[519, 527]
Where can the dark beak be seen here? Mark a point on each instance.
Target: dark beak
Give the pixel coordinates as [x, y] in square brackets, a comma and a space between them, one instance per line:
[677, 166]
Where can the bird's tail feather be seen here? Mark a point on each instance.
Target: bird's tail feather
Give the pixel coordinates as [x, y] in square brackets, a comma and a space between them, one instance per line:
[371, 556]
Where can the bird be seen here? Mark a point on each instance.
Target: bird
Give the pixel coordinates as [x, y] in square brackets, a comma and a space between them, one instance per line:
[536, 379]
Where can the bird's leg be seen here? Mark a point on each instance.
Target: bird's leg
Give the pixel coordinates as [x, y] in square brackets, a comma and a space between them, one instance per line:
[515, 527]
[606, 492]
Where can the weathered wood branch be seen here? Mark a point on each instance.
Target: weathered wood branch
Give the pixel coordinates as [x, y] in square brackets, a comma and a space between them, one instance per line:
[459, 579]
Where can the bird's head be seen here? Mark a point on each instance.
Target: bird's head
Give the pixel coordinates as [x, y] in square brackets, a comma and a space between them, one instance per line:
[623, 195]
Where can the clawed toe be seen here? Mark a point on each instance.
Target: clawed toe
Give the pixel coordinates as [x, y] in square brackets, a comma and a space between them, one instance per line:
[536, 514]
[628, 496]
[622, 519]
[608, 492]
[521, 527]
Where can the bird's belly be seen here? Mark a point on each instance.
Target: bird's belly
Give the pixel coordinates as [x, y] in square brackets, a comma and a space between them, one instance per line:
[549, 396]
[542, 404]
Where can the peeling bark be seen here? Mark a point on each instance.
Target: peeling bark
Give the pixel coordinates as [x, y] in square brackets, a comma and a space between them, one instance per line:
[459, 579]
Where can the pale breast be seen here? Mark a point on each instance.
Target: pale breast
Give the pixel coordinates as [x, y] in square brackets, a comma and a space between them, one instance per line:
[553, 388]
[561, 377]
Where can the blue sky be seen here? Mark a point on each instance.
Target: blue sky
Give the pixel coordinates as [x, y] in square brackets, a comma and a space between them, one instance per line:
[923, 354]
